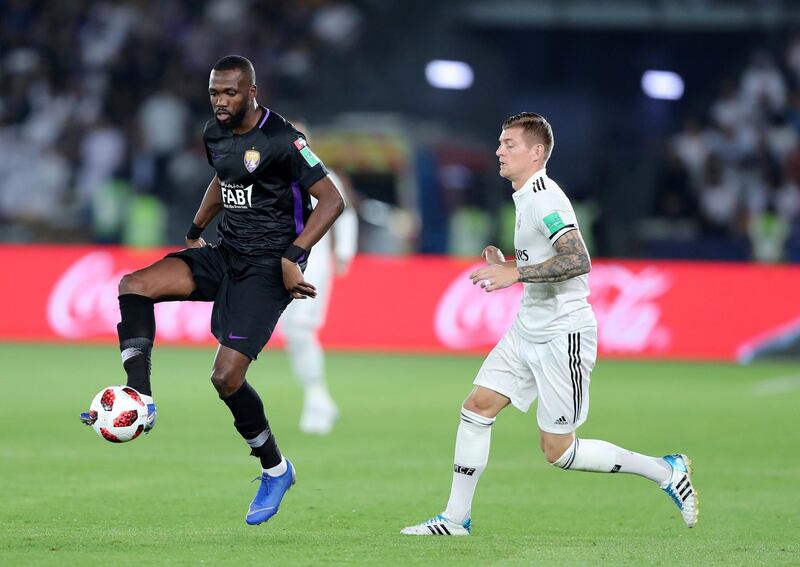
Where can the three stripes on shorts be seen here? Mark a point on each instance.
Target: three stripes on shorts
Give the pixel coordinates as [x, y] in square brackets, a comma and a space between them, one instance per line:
[575, 373]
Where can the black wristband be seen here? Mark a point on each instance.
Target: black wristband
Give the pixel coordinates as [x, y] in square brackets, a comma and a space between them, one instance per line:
[294, 253]
[194, 232]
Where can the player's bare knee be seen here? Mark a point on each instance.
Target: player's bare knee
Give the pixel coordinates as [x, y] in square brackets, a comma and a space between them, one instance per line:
[132, 283]
[469, 404]
[222, 384]
[226, 381]
[478, 405]
[125, 284]
[485, 402]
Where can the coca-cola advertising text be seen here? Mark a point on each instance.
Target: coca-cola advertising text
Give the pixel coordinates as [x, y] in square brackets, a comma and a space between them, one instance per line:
[688, 310]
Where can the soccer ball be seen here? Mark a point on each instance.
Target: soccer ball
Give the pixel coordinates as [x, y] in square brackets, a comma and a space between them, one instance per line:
[118, 413]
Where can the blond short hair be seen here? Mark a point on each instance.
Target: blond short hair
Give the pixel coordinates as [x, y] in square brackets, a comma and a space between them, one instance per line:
[536, 127]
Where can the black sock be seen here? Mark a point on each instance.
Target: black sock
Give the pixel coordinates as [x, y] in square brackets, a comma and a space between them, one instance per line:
[251, 423]
[136, 331]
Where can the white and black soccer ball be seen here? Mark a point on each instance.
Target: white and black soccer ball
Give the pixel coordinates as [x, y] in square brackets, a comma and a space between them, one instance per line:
[119, 414]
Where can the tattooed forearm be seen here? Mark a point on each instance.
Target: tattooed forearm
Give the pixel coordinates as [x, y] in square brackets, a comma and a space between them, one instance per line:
[556, 269]
[571, 260]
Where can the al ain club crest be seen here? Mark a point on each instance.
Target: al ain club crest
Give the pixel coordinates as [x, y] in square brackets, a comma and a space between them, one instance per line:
[251, 160]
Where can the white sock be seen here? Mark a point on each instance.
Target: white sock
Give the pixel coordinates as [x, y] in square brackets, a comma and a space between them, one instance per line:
[472, 454]
[317, 391]
[601, 456]
[278, 469]
[306, 358]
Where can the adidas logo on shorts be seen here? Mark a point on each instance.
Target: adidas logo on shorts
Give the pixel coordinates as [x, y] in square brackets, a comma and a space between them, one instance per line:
[561, 421]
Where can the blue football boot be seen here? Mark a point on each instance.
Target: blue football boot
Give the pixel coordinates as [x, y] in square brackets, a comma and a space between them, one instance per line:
[88, 417]
[269, 495]
[152, 413]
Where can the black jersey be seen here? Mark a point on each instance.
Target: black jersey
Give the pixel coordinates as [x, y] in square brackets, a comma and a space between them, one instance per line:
[264, 176]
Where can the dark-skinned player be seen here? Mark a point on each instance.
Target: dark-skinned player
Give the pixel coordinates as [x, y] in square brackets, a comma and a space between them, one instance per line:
[265, 176]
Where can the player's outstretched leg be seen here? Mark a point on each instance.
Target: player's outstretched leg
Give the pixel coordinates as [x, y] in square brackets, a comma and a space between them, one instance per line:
[168, 278]
[471, 457]
[308, 363]
[277, 473]
[671, 473]
[136, 332]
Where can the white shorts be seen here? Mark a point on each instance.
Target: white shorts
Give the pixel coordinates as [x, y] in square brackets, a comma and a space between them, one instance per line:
[310, 313]
[556, 372]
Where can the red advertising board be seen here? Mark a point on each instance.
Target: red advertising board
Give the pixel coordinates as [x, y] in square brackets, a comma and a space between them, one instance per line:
[686, 310]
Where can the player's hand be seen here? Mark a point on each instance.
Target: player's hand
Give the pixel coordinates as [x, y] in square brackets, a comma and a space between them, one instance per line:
[495, 276]
[293, 279]
[492, 255]
[197, 243]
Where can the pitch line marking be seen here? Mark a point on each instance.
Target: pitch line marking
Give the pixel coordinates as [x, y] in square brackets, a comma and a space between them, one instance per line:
[775, 386]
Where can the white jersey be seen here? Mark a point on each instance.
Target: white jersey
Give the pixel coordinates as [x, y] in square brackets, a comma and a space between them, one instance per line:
[548, 310]
[320, 270]
[344, 231]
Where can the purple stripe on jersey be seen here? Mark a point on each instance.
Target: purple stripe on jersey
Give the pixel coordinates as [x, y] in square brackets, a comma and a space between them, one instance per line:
[299, 224]
[266, 115]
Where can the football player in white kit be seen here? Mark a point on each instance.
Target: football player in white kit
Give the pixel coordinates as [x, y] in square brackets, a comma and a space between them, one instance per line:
[302, 320]
[549, 352]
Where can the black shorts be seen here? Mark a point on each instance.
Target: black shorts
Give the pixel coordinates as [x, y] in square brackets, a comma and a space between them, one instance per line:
[248, 298]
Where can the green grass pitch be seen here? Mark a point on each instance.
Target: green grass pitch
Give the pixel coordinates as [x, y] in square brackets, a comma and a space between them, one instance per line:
[178, 496]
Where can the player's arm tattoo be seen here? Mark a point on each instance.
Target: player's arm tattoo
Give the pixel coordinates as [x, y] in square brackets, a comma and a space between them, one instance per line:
[571, 260]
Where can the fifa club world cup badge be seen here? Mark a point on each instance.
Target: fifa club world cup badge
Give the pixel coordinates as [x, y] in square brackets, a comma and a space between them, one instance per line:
[251, 160]
[305, 151]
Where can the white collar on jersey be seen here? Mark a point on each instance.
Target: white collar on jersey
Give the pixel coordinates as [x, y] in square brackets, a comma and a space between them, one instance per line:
[529, 183]
[540, 173]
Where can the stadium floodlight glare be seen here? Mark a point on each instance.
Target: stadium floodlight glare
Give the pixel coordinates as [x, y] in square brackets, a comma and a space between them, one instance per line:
[444, 74]
[663, 85]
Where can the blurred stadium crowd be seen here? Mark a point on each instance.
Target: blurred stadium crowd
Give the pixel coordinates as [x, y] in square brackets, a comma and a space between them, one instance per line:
[103, 106]
[731, 177]
[100, 124]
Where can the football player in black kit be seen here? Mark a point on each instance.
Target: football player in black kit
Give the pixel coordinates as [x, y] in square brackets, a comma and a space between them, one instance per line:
[265, 172]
